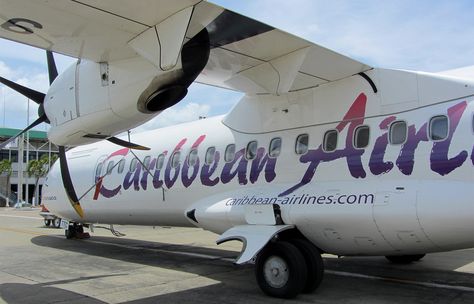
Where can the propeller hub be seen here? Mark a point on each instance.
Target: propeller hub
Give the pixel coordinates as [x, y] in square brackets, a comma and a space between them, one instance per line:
[42, 113]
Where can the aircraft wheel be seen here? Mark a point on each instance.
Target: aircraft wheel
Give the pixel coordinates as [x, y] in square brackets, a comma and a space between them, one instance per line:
[47, 223]
[57, 222]
[404, 259]
[70, 232]
[281, 270]
[314, 263]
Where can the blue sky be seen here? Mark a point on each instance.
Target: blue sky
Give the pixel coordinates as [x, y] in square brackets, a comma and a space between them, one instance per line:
[420, 35]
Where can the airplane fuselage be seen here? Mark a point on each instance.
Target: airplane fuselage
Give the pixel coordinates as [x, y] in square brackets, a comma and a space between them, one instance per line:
[365, 176]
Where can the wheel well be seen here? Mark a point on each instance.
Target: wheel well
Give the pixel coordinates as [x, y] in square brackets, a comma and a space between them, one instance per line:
[288, 235]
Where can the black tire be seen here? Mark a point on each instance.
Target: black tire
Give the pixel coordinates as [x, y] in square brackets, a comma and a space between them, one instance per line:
[404, 259]
[47, 223]
[70, 233]
[79, 228]
[289, 271]
[57, 222]
[314, 264]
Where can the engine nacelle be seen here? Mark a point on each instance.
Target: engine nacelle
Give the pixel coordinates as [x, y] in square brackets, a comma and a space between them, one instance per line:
[92, 101]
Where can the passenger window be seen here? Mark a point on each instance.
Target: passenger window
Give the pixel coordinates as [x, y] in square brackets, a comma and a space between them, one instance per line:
[439, 128]
[398, 132]
[275, 147]
[330, 140]
[133, 164]
[146, 162]
[110, 166]
[229, 153]
[175, 159]
[121, 166]
[98, 170]
[192, 157]
[251, 150]
[210, 155]
[160, 161]
[302, 142]
[361, 137]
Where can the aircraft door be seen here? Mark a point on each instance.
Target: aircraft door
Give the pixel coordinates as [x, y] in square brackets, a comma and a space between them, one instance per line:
[394, 212]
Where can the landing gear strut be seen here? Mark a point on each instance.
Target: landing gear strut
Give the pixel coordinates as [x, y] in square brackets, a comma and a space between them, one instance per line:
[76, 230]
[286, 268]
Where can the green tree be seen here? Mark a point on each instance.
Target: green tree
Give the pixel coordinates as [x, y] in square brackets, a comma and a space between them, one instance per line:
[6, 169]
[39, 168]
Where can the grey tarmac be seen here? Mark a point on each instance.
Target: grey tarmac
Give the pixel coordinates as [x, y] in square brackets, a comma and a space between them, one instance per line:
[183, 265]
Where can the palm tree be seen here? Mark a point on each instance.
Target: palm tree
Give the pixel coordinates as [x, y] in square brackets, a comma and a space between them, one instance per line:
[39, 168]
[6, 169]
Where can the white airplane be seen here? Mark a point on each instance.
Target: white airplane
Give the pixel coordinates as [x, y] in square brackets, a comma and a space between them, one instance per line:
[324, 154]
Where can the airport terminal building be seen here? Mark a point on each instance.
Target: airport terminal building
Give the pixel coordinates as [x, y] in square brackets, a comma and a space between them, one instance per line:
[27, 147]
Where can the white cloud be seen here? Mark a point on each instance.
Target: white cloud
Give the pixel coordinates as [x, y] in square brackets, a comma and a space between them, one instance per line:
[5, 71]
[421, 35]
[14, 106]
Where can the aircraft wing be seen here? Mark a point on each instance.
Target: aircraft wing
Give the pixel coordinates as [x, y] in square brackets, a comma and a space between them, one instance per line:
[246, 55]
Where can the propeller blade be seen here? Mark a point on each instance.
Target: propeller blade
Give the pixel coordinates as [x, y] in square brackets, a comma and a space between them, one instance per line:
[67, 182]
[36, 96]
[34, 124]
[52, 70]
[126, 144]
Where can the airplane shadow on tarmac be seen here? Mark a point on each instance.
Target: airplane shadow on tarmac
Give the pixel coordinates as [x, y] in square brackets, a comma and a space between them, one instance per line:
[237, 284]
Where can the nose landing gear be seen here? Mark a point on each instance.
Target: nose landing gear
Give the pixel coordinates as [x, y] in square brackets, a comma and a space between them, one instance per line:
[76, 230]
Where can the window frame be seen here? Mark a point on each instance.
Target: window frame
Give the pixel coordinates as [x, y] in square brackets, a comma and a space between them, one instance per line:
[225, 153]
[279, 147]
[390, 132]
[159, 164]
[354, 137]
[110, 167]
[134, 164]
[431, 123]
[189, 157]
[121, 166]
[324, 140]
[98, 169]
[297, 141]
[172, 159]
[247, 150]
[146, 162]
[213, 155]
